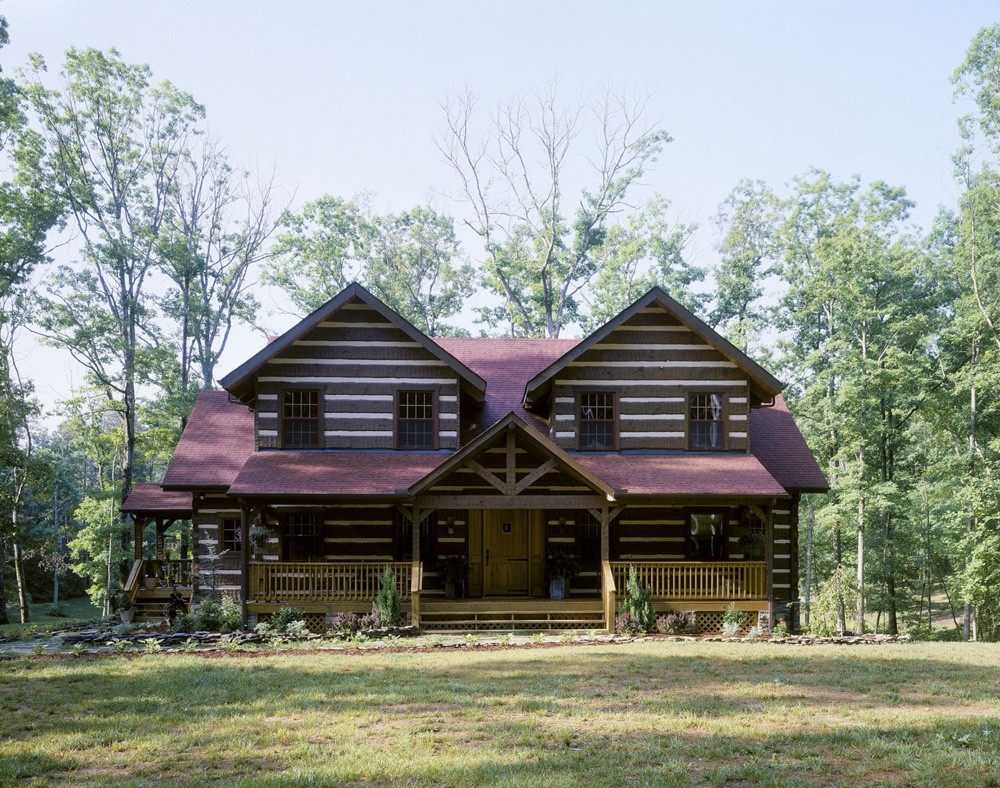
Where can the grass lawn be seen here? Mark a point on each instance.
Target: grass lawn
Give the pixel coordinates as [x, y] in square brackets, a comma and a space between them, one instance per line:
[654, 712]
[81, 609]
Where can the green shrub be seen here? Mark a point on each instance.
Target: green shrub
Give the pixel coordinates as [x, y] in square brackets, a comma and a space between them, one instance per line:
[230, 615]
[210, 616]
[56, 611]
[839, 590]
[637, 605]
[387, 603]
[285, 616]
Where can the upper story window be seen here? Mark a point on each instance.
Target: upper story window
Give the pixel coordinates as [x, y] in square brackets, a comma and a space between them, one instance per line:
[300, 428]
[706, 421]
[597, 420]
[415, 422]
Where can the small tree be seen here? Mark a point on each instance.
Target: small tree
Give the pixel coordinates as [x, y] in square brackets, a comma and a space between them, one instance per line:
[387, 603]
[637, 606]
[839, 590]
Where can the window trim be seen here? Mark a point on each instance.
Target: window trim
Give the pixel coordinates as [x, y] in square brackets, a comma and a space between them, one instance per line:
[725, 512]
[615, 421]
[435, 437]
[320, 415]
[236, 537]
[317, 538]
[724, 421]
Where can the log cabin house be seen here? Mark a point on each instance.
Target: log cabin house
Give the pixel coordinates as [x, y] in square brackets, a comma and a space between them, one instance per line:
[354, 441]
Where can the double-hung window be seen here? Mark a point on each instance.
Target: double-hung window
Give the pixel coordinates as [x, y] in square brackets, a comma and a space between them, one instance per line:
[706, 422]
[415, 422]
[300, 419]
[597, 420]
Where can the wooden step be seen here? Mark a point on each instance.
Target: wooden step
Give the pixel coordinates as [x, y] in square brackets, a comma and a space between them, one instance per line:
[483, 618]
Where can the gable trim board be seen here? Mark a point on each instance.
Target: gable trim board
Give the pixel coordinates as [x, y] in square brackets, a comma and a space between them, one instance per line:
[237, 381]
[766, 385]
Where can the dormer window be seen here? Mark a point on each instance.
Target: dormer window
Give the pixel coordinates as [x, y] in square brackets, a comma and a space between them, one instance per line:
[597, 420]
[300, 428]
[415, 420]
[706, 422]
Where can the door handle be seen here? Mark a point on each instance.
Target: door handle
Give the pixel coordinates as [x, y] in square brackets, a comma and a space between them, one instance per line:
[487, 558]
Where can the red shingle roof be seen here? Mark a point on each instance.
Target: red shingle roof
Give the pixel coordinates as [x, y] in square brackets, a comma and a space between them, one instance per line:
[505, 365]
[217, 441]
[301, 473]
[776, 441]
[216, 449]
[154, 499]
[684, 474]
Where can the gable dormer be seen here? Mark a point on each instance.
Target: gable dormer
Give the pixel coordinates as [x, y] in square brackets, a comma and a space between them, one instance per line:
[653, 378]
[354, 375]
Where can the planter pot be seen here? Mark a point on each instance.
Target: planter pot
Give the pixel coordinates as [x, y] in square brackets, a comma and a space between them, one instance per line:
[449, 590]
[151, 583]
[126, 615]
[557, 588]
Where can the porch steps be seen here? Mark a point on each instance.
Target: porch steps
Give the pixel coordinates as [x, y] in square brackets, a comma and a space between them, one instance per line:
[501, 616]
[151, 606]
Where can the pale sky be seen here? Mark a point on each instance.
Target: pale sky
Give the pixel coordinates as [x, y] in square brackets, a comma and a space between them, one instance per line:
[343, 98]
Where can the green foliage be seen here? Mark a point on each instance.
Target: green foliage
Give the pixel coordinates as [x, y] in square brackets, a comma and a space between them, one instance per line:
[839, 589]
[406, 259]
[747, 222]
[646, 252]
[211, 616]
[561, 564]
[637, 604]
[286, 616]
[387, 602]
[734, 615]
[96, 540]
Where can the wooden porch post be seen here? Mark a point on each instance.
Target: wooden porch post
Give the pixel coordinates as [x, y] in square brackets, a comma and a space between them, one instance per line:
[139, 526]
[607, 587]
[160, 528]
[244, 558]
[416, 580]
[769, 552]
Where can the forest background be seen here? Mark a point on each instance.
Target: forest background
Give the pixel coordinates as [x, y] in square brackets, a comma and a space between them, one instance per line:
[132, 240]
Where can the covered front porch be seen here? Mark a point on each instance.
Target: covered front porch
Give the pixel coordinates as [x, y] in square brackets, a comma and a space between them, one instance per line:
[349, 586]
[475, 542]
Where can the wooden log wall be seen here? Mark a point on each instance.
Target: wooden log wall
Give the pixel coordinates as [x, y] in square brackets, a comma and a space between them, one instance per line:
[785, 552]
[448, 535]
[653, 363]
[577, 532]
[358, 360]
[358, 532]
[209, 512]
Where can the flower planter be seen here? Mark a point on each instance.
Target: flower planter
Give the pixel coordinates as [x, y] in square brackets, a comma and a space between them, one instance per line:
[126, 615]
[151, 583]
[557, 588]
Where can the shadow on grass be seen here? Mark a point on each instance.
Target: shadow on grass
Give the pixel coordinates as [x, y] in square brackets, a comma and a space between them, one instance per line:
[510, 716]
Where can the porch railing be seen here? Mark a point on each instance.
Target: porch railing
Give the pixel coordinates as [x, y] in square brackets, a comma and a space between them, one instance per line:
[284, 581]
[177, 571]
[718, 580]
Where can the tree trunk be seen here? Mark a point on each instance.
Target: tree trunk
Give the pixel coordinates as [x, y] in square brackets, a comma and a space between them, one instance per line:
[860, 625]
[809, 554]
[22, 589]
[4, 619]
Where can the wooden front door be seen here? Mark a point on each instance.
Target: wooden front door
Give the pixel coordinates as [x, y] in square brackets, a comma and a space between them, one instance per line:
[505, 552]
